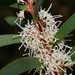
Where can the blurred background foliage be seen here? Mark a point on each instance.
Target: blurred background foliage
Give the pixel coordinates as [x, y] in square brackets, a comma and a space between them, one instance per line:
[11, 52]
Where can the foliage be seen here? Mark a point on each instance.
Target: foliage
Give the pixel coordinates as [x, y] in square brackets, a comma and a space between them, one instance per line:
[23, 64]
[20, 65]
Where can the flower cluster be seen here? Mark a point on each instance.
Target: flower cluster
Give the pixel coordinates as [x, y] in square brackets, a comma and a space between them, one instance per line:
[39, 38]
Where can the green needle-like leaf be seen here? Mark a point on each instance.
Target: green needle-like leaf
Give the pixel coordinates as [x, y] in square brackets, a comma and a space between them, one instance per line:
[20, 65]
[73, 54]
[18, 6]
[9, 39]
[66, 28]
[36, 9]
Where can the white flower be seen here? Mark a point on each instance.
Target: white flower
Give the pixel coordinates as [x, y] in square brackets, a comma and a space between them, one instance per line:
[41, 43]
[48, 18]
[21, 15]
[35, 39]
[20, 1]
[19, 18]
[54, 61]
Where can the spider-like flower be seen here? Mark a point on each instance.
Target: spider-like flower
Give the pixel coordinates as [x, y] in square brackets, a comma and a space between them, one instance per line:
[19, 18]
[39, 38]
[54, 60]
[40, 34]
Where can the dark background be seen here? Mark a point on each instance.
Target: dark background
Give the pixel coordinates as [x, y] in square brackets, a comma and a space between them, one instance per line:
[11, 52]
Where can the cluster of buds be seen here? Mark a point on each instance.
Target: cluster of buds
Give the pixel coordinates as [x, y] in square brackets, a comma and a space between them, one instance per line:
[39, 38]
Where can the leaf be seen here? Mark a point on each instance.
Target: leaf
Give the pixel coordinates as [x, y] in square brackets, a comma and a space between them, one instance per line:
[36, 8]
[10, 20]
[9, 39]
[66, 28]
[73, 54]
[20, 65]
[18, 6]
